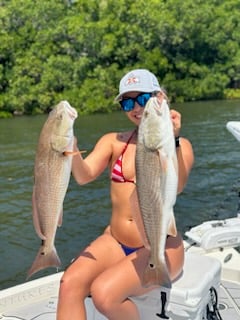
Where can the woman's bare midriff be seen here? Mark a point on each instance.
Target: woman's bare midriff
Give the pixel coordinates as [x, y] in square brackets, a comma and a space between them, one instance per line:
[122, 225]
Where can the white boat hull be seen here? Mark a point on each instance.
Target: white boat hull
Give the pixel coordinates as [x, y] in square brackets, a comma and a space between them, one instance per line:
[207, 268]
[187, 299]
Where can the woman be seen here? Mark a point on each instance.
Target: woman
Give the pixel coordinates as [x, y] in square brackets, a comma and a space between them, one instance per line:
[111, 267]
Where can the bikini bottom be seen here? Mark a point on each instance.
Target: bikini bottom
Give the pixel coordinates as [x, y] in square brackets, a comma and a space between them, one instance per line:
[128, 250]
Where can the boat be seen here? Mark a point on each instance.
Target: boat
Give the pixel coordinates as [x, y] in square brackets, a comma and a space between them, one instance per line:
[207, 289]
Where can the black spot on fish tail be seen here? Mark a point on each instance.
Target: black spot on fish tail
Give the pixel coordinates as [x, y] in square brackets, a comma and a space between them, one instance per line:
[42, 245]
[156, 275]
[44, 259]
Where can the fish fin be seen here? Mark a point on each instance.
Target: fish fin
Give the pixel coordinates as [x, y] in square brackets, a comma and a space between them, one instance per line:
[60, 219]
[43, 261]
[163, 160]
[175, 164]
[138, 218]
[172, 229]
[73, 153]
[35, 215]
[156, 275]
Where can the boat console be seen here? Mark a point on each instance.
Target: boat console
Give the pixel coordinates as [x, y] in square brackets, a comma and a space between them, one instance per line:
[215, 234]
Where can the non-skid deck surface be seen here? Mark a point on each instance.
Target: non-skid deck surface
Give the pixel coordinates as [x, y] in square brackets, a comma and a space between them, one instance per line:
[229, 301]
[45, 309]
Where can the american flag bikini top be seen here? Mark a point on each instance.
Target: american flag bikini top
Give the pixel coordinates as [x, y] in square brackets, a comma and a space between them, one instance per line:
[117, 171]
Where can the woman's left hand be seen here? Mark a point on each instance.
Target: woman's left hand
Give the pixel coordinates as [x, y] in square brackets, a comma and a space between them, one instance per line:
[176, 120]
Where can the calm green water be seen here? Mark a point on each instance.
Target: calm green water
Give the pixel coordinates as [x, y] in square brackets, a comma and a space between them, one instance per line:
[211, 191]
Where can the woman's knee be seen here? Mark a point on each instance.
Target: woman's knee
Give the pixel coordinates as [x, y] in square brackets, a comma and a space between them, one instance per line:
[72, 284]
[102, 296]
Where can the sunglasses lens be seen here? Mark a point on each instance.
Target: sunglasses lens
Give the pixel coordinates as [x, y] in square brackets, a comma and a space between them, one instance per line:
[127, 104]
[142, 99]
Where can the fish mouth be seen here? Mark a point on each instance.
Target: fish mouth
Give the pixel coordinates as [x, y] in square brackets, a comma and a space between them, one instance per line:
[70, 110]
[73, 115]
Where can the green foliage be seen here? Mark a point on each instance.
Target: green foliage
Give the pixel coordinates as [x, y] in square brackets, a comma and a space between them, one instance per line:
[232, 93]
[5, 114]
[78, 50]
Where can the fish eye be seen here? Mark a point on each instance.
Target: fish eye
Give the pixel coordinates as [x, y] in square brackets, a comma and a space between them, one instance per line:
[60, 116]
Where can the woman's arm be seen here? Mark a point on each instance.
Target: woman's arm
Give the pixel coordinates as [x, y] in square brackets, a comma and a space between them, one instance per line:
[184, 152]
[87, 169]
[185, 162]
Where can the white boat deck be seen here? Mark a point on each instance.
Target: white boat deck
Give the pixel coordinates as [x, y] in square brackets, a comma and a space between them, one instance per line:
[45, 308]
[37, 299]
[218, 268]
[229, 300]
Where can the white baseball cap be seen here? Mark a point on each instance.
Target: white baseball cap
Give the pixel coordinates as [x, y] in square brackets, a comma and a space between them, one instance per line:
[140, 80]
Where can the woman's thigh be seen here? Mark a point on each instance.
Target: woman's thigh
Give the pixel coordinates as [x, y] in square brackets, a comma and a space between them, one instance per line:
[124, 278]
[98, 256]
[174, 255]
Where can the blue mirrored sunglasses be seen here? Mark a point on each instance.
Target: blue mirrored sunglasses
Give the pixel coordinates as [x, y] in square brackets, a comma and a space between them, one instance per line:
[128, 103]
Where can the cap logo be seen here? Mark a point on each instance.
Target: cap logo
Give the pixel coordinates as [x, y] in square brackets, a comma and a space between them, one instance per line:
[132, 80]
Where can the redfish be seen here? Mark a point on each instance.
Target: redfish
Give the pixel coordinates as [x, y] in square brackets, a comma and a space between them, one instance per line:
[156, 183]
[52, 173]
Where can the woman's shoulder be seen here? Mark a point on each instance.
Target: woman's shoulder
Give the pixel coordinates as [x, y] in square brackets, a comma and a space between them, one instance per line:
[117, 136]
[185, 142]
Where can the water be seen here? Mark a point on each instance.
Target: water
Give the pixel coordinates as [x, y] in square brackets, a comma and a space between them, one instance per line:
[211, 192]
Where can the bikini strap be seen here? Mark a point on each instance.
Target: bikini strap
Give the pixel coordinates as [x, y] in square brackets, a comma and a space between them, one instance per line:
[128, 141]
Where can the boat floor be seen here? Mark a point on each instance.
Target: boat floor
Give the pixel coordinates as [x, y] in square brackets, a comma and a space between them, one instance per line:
[229, 300]
[45, 308]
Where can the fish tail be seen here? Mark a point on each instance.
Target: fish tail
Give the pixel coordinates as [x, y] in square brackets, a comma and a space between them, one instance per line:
[156, 275]
[44, 260]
